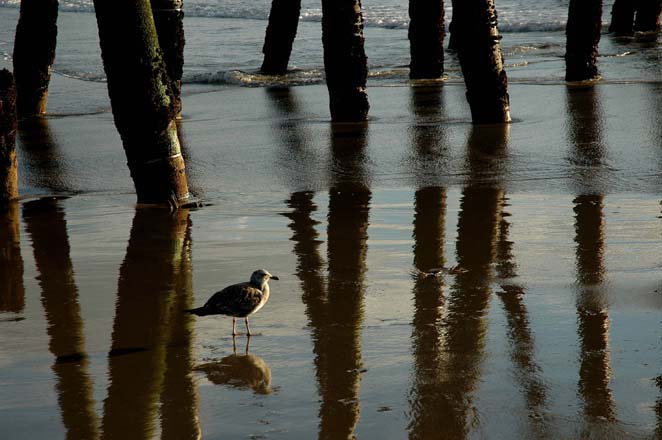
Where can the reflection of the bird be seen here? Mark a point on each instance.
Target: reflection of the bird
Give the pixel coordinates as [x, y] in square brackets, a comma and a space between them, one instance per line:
[335, 310]
[46, 226]
[41, 157]
[240, 371]
[153, 284]
[12, 290]
[588, 155]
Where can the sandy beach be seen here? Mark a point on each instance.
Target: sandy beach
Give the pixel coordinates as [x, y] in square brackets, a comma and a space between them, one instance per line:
[549, 328]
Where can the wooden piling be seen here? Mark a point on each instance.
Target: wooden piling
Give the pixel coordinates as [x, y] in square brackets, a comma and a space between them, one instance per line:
[345, 62]
[143, 102]
[34, 53]
[280, 34]
[426, 38]
[622, 17]
[169, 21]
[583, 35]
[8, 124]
[479, 51]
[648, 16]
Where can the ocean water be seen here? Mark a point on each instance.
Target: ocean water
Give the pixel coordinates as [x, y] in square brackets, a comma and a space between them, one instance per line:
[550, 329]
[224, 41]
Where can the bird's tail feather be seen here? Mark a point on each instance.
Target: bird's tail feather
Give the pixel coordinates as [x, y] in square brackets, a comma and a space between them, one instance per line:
[200, 311]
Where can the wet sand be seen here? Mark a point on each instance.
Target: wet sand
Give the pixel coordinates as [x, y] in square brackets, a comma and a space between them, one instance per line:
[552, 330]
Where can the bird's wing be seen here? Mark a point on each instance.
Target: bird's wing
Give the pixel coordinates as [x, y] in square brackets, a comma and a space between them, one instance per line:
[236, 300]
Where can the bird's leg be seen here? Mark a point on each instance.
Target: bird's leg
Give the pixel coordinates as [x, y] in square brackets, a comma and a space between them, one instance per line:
[234, 328]
[234, 345]
[248, 329]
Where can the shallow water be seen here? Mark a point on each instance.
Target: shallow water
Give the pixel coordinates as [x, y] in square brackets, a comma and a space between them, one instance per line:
[548, 327]
[550, 330]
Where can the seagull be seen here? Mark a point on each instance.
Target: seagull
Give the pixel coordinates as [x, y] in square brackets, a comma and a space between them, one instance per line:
[239, 300]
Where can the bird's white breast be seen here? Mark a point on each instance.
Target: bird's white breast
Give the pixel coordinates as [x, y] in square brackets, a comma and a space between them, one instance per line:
[265, 298]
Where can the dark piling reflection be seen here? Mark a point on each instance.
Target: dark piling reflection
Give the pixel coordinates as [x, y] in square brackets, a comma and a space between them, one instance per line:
[179, 398]
[338, 341]
[41, 157]
[427, 158]
[588, 155]
[335, 308]
[428, 389]
[592, 313]
[464, 324]
[47, 229]
[427, 134]
[526, 370]
[149, 362]
[12, 289]
[658, 409]
[300, 163]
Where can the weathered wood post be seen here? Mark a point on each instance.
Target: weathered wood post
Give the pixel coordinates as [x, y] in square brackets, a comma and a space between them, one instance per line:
[479, 51]
[426, 38]
[582, 38]
[345, 62]
[648, 16]
[622, 17]
[34, 53]
[280, 34]
[8, 125]
[144, 105]
[169, 21]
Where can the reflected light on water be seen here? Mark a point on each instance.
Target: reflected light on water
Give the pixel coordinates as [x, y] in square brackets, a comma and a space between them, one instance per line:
[12, 290]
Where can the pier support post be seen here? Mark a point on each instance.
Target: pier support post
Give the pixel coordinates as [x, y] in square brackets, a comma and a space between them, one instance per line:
[426, 38]
[622, 17]
[143, 102]
[479, 51]
[34, 53]
[582, 38]
[648, 16]
[280, 34]
[169, 21]
[345, 62]
[8, 125]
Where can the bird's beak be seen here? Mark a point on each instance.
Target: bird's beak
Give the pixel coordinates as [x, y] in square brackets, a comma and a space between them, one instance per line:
[274, 278]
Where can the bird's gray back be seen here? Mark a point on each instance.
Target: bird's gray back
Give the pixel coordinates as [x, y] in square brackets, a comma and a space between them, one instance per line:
[238, 300]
